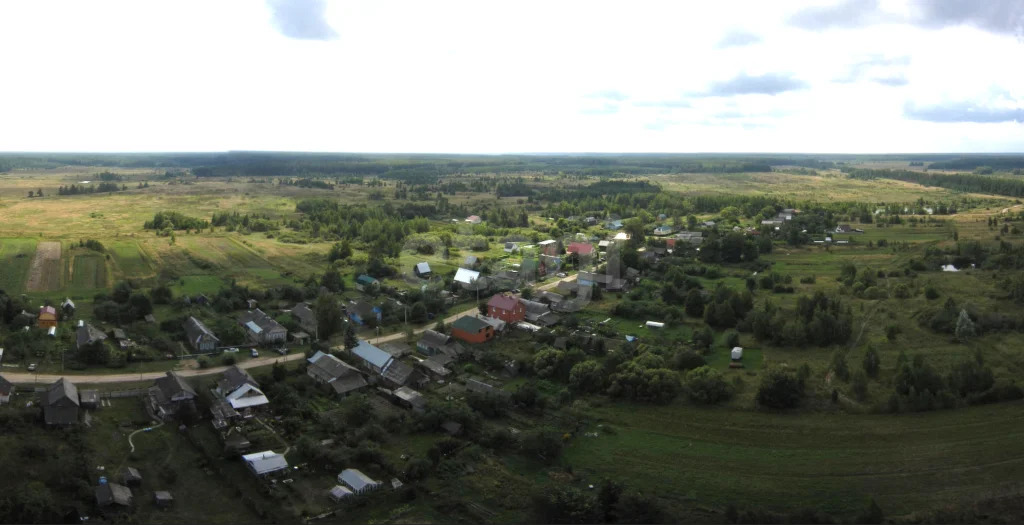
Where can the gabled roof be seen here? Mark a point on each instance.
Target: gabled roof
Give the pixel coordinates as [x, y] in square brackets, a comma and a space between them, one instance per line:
[372, 355]
[465, 276]
[469, 324]
[247, 396]
[396, 348]
[257, 321]
[363, 309]
[503, 302]
[195, 329]
[61, 390]
[582, 248]
[423, 267]
[329, 368]
[304, 314]
[113, 494]
[398, 372]
[233, 378]
[87, 334]
[346, 384]
[365, 279]
[410, 396]
[47, 310]
[67, 302]
[172, 384]
[265, 462]
[533, 307]
[433, 339]
[357, 480]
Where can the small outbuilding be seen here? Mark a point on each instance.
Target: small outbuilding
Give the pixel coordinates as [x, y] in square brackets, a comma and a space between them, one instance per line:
[131, 477]
[163, 499]
[110, 494]
[338, 493]
[358, 481]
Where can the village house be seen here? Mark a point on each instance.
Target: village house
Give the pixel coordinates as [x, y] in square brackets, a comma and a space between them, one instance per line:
[241, 391]
[531, 269]
[47, 317]
[435, 366]
[304, 315]
[6, 389]
[663, 230]
[432, 342]
[61, 403]
[112, 494]
[340, 376]
[603, 280]
[580, 248]
[86, 335]
[373, 358]
[613, 224]
[548, 247]
[131, 477]
[422, 270]
[262, 329]
[472, 330]
[361, 311]
[539, 313]
[67, 308]
[366, 283]
[410, 398]
[511, 247]
[396, 348]
[200, 338]
[506, 307]
[474, 219]
[470, 279]
[685, 237]
[264, 463]
[170, 396]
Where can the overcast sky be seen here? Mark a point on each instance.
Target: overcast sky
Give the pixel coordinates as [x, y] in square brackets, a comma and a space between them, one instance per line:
[512, 76]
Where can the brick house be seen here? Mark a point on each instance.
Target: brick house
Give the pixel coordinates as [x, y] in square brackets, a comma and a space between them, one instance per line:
[472, 330]
[506, 308]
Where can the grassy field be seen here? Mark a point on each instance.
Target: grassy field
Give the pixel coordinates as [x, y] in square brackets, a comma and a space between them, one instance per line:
[15, 257]
[88, 272]
[832, 462]
[130, 260]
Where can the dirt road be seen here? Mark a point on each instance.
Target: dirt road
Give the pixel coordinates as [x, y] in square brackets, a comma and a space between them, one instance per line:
[29, 378]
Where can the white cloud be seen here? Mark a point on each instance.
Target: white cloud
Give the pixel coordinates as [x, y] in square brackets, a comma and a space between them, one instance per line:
[467, 76]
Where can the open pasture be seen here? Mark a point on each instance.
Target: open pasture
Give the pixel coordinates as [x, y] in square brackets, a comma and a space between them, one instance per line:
[831, 462]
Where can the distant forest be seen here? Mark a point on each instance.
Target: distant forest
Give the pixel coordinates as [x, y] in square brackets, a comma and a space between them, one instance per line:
[958, 182]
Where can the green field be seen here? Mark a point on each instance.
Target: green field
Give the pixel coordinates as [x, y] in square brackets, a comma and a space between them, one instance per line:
[15, 257]
[197, 284]
[831, 462]
[88, 272]
[130, 260]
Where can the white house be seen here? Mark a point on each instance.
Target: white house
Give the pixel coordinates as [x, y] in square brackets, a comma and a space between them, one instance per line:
[266, 462]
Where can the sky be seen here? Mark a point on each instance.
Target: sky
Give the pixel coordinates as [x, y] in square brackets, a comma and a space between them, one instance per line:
[856, 76]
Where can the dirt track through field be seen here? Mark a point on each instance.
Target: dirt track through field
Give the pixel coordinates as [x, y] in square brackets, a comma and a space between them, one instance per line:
[44, 272]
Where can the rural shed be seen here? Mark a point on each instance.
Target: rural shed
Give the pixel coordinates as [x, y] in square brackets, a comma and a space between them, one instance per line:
[163, 498]
[655, 324]
[736, 354]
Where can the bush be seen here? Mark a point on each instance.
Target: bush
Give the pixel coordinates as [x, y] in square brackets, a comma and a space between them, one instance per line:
[707, 385]
[780, 389]
[687, 360]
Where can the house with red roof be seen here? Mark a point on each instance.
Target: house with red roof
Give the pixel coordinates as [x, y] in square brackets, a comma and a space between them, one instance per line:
[580, 248]
[507, 308]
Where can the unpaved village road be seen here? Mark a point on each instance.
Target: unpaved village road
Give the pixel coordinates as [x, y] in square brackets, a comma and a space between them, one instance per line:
[29, 378]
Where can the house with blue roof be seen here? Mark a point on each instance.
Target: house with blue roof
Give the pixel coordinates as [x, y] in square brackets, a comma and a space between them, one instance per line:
[374, 358]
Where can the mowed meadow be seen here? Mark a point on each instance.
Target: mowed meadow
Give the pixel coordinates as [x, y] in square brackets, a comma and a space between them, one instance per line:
[116, 220]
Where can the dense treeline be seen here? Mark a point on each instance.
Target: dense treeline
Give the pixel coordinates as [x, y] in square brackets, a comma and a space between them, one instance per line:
[103, 187]
[173, 220]
[235, 221]
[957, 182]
[970, 163]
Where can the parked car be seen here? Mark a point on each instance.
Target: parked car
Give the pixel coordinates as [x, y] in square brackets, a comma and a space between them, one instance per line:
[32, 367]
[281, 350]
[560, 275]
[231, 350]
[255, 353]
